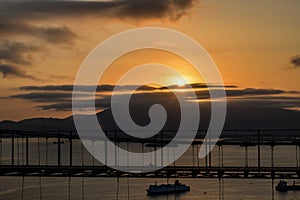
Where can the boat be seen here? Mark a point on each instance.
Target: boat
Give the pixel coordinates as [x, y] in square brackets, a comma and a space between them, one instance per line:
[283, 186]
[177, 187]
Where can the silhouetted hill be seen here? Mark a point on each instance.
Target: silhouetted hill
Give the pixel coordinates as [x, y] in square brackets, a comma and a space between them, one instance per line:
[246, 115]
[40, 124]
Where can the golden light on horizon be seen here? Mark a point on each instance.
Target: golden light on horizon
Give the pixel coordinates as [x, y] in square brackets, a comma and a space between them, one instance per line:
[178, 80]
[186, 72]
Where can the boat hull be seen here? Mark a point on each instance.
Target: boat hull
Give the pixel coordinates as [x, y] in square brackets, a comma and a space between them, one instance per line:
[283, 186]
[168, 191]
[287, 188]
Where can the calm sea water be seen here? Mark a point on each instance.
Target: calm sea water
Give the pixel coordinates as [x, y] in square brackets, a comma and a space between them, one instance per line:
[107, 188]
[135, 188]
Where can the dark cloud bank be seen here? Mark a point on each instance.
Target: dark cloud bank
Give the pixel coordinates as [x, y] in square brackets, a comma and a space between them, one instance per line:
[135, 9]
[13, 54]
[19, 18]
[248, 108]
[16, 55]
[14, 71]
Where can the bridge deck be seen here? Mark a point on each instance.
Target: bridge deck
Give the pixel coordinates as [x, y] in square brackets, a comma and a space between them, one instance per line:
[170, 171]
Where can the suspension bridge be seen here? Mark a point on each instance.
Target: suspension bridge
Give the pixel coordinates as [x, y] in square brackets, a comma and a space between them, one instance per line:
[61, 154]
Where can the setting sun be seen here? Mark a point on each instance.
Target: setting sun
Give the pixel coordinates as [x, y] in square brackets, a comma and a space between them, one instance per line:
[180, 81]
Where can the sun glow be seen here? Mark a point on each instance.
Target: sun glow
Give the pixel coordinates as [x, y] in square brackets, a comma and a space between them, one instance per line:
[180, 81]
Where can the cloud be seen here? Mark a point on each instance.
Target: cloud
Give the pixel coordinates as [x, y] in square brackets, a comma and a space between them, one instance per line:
[60, 96]
[109, 88]
[172, 9]
[59, 34]
[21, 20]
[295, 61]
[134, 9]
[16, 52]
[66, 106]
[85, 88]
[244, 112]
[243, 93]
[145, 89]
[48, 88]
[13, 56]
[253, 91]
[100, 103]
[52, 34]
[44, 97]
[14, 71]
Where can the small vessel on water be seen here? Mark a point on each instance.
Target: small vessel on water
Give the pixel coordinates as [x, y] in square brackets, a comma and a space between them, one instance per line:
[283, 186]
[177, 187]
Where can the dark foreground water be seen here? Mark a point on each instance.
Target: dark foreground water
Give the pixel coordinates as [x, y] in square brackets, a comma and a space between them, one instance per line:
[107, 188]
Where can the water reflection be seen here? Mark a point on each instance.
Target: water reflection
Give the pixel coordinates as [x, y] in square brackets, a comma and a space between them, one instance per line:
[81, 188]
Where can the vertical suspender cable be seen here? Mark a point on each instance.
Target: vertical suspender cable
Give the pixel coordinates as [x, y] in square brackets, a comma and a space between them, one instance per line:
[118, 182]
[69, 188]
[18, 151]
[22, 191]
[82, 187]
[40, 185]
[197, 149]
[22, 149]
[46, 150]
[128, 187]
[82, 157]
[39, 153]
[82, 181]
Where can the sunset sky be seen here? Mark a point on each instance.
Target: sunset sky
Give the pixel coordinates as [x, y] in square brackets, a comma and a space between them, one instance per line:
[255, 44]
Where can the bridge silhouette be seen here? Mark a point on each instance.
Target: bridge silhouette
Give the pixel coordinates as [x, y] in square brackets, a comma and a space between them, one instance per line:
[28, 153]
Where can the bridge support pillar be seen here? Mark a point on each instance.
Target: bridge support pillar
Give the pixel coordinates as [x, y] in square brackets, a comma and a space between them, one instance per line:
[170, 172]
[272, 174]
[195, 173]
[220, 173]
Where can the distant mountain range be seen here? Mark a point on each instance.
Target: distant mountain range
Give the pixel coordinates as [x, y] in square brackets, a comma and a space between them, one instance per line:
[50, 124]
[245, 115]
